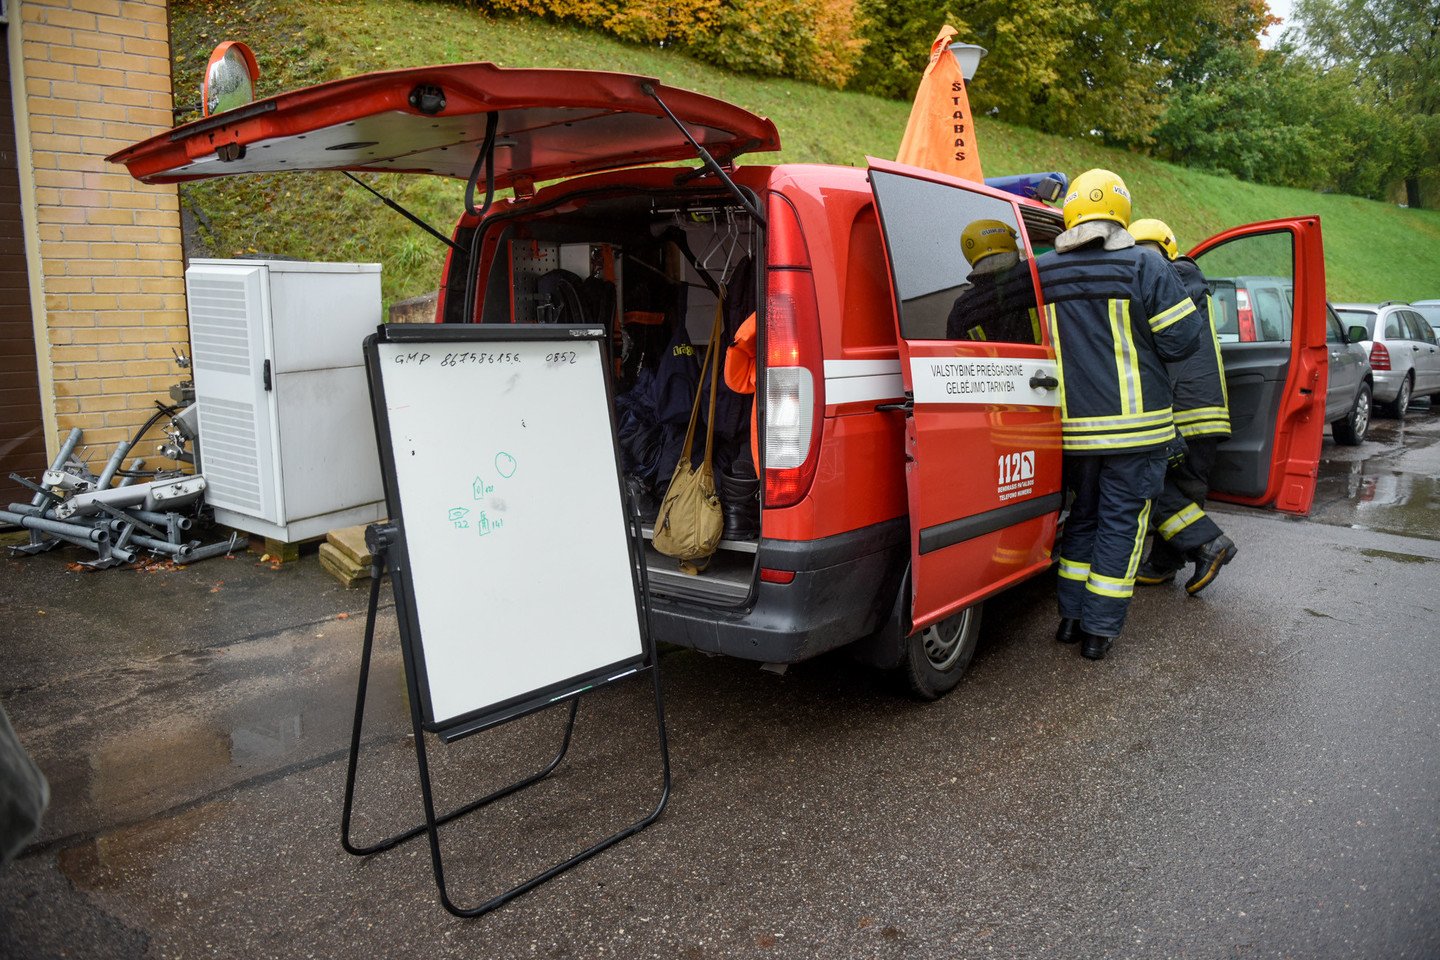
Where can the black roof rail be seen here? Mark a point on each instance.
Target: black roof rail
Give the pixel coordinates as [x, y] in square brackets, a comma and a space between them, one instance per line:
[1391, 303]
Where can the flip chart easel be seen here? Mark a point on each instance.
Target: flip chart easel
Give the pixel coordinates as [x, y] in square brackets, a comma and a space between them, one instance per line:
[517, 568]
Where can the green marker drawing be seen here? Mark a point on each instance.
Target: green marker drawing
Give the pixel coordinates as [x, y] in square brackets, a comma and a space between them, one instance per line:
[505, 464]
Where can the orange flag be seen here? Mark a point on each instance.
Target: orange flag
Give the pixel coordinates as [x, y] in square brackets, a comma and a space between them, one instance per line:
[941, 132]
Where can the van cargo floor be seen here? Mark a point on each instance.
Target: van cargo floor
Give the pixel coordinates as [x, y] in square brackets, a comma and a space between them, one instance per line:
[727, 577]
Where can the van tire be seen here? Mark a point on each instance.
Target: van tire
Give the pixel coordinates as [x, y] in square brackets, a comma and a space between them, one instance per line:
[1350, 429]
[936, 658]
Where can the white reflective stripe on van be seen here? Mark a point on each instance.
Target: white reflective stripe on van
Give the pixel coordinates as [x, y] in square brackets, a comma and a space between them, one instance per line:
[984, 380]
[852, 381]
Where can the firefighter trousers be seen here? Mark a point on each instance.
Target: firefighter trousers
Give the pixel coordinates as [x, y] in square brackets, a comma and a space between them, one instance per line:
[1104, 534]
[1178, 518]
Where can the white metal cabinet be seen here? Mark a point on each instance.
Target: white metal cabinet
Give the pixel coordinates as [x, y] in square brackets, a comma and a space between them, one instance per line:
[286, 440]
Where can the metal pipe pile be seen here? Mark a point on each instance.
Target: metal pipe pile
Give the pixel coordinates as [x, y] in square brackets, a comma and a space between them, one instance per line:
[118, 522]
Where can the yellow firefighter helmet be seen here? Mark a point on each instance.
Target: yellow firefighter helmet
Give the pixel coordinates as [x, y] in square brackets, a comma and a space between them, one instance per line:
[985, 237]
[1156, 232]
[1097, 195]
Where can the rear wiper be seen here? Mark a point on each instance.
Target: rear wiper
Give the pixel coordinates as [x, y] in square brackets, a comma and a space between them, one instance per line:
[406, 214]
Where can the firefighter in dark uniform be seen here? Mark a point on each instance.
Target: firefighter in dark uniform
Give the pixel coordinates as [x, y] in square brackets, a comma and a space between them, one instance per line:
[1117, 314]
[1183, 531]
[999, 301]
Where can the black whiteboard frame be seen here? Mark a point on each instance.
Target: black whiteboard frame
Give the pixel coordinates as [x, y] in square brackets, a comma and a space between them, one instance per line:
[407, 613]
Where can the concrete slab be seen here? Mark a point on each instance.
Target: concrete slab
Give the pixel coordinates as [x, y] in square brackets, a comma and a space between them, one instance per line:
[350, 541]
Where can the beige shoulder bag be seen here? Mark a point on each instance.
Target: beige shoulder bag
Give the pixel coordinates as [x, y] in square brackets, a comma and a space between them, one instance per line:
[690, 521]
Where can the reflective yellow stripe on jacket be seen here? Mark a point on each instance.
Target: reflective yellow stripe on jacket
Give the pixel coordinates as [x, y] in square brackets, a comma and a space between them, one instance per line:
[1134, 427]
[1174, 524]
[1127, 359]
[1203, 422]
[1172, 315]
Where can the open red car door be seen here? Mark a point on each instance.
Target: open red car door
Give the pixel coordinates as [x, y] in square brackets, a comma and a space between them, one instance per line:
[551, 124]
[982, 422]
[1267, 284]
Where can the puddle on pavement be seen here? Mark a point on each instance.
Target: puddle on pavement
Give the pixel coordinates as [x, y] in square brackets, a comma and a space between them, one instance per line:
[294, 724]
[113, 859]
[1368, 495]
[1397, 557]
[134, 773]
[128, 860]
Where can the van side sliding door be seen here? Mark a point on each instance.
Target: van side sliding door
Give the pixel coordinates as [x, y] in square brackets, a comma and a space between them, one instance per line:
[982, 415]
[1276, 382]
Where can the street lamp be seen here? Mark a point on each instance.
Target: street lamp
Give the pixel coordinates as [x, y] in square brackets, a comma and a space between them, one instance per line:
[968, 55]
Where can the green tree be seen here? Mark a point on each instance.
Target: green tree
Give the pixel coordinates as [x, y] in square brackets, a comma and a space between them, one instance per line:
[1100, 68]
[1393, 48]
[1273, 117]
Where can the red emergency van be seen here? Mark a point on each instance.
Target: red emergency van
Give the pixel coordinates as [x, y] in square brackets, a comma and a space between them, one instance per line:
[910, 471]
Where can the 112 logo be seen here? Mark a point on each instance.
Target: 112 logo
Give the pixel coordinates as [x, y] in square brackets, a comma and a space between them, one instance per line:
[1017, 466]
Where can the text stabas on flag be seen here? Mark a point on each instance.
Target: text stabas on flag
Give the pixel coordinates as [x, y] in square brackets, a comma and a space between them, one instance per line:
[941, 134]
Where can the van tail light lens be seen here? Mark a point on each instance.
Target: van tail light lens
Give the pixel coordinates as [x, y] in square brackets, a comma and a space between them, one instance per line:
[794, 369]
[1245, 316]
[1379, 357]
[768, 575]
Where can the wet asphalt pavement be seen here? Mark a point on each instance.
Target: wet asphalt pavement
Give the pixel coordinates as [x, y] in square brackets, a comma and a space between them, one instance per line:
[1251, 773]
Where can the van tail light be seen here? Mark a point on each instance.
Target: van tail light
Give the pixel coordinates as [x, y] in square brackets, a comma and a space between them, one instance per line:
[794, 372]
[768, 575]
[1379, 357]
[1245, 316]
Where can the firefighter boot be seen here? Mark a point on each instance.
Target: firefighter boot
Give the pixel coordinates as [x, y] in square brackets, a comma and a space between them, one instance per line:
[1151, 574]
[1209, 558]
[1161, 565]
[1094, 646]
[740, 502]
[1068, 631]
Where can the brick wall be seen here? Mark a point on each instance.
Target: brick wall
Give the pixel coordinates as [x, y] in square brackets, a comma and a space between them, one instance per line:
[97, 78]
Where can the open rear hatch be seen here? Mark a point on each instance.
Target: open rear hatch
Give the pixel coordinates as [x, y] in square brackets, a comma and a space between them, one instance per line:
[545, 125]
[550, 124]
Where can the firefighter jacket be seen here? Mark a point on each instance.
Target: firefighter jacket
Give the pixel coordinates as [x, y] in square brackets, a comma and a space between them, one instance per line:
[1202, 407]
[1116, 317]
[996, 306]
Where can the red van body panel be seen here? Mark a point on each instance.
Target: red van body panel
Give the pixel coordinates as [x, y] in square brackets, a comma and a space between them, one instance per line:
[983, 468]
[1298, 429]
[429, 119]
[856, 483]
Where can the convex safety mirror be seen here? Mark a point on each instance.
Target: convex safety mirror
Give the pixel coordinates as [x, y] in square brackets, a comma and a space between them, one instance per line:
[229, 78]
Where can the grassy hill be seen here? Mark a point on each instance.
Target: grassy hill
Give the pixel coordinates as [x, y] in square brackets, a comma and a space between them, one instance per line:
[1374, 251]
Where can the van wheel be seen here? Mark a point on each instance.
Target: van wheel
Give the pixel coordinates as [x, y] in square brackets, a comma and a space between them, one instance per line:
[937, 657]
[1351, 428]
[1402, 400]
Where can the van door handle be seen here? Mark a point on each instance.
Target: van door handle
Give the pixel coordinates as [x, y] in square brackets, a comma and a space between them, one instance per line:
[1044, 380]
[908, 404]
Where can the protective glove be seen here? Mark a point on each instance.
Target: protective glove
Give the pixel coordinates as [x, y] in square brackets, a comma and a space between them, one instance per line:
[1175, 451]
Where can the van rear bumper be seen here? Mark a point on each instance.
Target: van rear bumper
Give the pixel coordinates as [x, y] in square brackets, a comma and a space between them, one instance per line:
[844, 587]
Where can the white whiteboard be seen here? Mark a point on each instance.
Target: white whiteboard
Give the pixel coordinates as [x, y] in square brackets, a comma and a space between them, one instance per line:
[509, 503]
